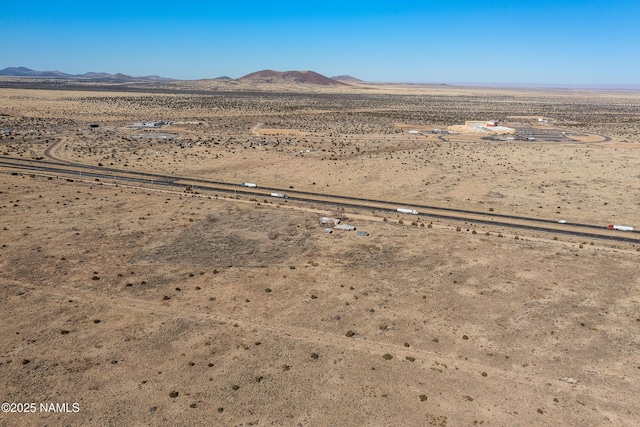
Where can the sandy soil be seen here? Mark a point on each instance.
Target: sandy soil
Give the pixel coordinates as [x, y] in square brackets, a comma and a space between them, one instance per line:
[150, 307]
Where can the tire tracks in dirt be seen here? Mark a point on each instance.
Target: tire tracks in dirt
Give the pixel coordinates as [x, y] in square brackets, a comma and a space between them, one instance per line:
[254, 130]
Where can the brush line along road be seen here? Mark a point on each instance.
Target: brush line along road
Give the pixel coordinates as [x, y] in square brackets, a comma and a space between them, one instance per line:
[383, 206]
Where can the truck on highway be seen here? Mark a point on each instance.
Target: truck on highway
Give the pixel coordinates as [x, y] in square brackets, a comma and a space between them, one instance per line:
[249, 184]
[279, 195]
[407, 211]
[619, 227]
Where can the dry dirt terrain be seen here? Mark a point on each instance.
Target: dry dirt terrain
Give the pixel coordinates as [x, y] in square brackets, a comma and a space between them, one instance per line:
[147, 306]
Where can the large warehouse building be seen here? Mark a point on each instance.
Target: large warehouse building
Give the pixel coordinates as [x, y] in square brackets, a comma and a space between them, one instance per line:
[489, 127]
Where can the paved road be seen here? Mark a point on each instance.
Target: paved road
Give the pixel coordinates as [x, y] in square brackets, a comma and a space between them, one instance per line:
[382, 206]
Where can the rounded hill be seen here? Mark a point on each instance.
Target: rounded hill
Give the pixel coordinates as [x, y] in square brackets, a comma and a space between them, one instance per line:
[303, 77]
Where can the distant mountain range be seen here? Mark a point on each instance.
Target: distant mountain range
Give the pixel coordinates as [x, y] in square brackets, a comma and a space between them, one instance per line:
[263, 76]
[270, 77]
[102, 77]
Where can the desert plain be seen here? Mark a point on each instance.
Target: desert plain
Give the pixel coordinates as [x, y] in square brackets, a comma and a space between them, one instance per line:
[148, 305]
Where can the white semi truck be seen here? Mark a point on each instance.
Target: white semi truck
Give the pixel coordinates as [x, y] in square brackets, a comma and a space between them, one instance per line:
[407, 211]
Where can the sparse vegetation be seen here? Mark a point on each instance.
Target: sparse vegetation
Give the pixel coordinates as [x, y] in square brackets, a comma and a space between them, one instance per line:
[233, 291]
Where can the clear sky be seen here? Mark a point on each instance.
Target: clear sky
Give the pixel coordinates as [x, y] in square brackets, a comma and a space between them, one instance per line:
[444, 41]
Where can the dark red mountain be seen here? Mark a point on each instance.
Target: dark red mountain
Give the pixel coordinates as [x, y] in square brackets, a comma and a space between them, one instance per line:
[304, 77]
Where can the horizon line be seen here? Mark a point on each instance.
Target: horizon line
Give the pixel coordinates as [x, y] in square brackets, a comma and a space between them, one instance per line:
[558, 85]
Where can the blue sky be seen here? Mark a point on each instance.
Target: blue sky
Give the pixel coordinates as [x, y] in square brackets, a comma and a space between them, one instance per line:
[446, 41]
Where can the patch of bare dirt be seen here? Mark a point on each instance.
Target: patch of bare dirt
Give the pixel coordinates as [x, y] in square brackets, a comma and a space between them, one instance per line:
[238, 238]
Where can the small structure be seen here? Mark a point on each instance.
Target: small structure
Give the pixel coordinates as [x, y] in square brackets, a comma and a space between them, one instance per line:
[328, 231]
[329, 221]
[362, 233]
[150, 124]
[345, 227]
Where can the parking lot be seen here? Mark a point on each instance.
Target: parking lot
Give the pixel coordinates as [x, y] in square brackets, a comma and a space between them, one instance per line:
[539, 135]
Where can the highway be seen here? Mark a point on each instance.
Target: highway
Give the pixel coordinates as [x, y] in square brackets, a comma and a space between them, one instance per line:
[385, 207]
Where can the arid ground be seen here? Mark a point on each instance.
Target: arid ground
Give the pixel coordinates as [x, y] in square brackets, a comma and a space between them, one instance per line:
[149, 306]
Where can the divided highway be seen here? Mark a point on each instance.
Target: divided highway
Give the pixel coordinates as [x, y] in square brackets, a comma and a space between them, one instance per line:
[382, 206]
